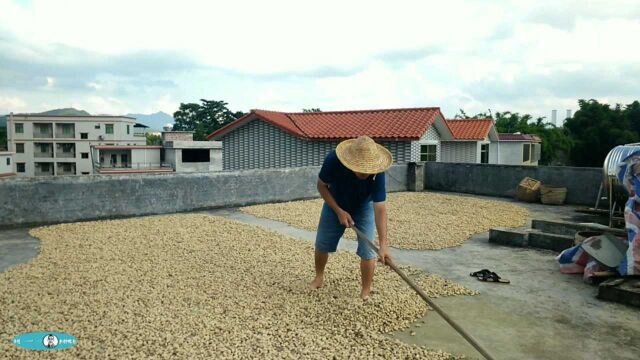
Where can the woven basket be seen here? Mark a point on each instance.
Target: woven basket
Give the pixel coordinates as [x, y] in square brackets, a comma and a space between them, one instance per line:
[528, 190]
[553, 195]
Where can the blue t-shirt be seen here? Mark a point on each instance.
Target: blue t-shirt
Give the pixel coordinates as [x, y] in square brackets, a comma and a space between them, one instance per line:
[350, 192]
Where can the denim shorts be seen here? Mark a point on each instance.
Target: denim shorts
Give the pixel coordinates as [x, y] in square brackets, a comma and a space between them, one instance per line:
[330, 230]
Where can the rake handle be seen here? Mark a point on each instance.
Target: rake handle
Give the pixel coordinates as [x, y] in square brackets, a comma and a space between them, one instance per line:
[424, 296]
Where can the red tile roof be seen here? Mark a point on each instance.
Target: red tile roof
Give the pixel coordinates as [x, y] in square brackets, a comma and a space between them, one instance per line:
[470, 129]
[518, 137]
[406, 124]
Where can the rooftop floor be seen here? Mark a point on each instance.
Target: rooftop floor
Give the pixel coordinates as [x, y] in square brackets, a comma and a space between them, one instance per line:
[542, 314]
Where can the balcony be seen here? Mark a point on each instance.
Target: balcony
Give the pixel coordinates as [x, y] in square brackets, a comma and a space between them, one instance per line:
[66, 150]
[44, 169]
[66, 168]
[42, 131]
[65, 131]
[43, 150]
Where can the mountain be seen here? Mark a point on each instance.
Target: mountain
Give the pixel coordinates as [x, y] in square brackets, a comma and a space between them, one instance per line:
[59, 112]
[154, 121]
[65, 112]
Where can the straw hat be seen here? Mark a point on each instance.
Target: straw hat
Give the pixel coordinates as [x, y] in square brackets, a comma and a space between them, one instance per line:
[363, 155]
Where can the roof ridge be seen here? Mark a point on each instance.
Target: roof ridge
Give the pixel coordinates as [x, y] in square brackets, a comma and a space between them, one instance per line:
[363, 111]
[296, 125]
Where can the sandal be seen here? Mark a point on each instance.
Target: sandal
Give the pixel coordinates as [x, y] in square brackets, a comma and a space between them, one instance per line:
[480, 273]
[492, 277]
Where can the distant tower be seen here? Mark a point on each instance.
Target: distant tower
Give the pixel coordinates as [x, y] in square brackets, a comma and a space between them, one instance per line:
[554, 117]
[568, 114]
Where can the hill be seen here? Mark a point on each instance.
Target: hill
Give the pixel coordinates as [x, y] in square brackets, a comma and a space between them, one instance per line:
[154, 121]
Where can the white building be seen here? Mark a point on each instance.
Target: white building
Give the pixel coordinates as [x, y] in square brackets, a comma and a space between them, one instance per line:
[47, 145]
[185, 155]
[7, 164]
[516, 149]
[477, 141]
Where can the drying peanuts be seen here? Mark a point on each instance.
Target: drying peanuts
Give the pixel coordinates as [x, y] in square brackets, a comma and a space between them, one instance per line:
[201, 287]
[417, 220]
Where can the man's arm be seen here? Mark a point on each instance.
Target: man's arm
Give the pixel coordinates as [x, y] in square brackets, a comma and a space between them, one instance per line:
[380, 211]
[343, 216]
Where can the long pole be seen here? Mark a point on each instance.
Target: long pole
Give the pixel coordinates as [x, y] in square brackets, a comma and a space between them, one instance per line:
[424, 296]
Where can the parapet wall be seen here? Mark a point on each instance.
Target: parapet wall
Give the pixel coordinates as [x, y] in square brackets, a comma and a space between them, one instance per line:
[30, 201]
[501, 180]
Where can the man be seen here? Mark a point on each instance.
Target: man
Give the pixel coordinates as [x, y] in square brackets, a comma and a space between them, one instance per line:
[352, 184]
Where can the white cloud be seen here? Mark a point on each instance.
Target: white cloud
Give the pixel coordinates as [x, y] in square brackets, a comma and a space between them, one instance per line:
[11, 104]
[287, 54]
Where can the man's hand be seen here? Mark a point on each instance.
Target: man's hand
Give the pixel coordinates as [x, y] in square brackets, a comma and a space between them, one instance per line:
[345, 218]
[384, 256]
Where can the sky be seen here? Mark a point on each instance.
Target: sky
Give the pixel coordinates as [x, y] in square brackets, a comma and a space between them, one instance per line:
[117, 57]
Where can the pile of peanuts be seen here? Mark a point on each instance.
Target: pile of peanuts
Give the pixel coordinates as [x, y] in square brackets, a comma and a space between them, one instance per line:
[417, 220]
[199, 286]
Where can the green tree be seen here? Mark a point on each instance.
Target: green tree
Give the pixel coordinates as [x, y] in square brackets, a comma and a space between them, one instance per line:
[312, 110]
[596, 128]
[204, 118]
[153, 139]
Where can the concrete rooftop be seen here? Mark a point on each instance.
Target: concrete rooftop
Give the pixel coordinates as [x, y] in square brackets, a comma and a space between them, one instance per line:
[542, 314]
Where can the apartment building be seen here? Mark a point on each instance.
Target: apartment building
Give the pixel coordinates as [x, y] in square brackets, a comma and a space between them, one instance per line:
[71, 145]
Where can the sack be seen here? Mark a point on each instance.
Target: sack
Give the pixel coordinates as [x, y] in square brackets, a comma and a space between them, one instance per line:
[553, 195]
[528, 190]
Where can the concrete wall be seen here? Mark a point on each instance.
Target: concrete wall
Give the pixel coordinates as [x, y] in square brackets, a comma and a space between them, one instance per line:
[27, 201]
[502, 180]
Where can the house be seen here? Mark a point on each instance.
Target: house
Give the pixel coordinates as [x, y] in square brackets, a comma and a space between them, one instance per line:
[518, 149]
[477, 141]
[47, 145]
[271, 139]
[7, 164]
[472, 141]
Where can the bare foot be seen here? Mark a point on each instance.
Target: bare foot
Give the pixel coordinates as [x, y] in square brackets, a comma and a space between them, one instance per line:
[364, 294]
[316, 283]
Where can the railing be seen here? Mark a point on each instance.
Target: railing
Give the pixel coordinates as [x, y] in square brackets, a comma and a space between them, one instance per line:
[42, 131]
[68, 155]
[133, 166]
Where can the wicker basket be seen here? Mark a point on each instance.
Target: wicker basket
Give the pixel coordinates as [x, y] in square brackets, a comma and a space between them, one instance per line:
[528, 190]
[553, 195]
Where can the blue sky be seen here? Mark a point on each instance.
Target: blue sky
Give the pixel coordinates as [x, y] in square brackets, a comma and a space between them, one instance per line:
[114, 57]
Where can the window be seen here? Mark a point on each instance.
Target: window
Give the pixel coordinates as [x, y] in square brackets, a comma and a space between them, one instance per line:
[84, 155]
[108, 128]
[85, 173]
[20, 167]
[484, 154]
[8, 161]
[66, 167]
[20, 148]
[44, 167]
[195, 155]
[67, 148]
[19, 128]
[67, 129]
[526, 152]
[97, 126]
[536, 149]
[128, 129]
[44, 148]
[428, 152]
[84, 136]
